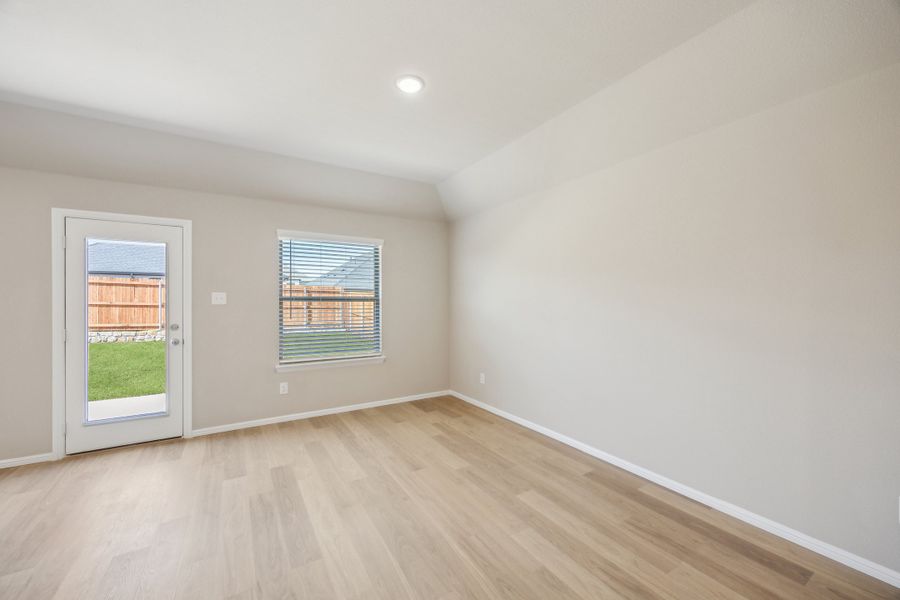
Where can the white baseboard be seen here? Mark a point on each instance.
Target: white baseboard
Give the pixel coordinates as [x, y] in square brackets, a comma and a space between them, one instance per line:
[26, 460]
[313, 413]
[849, 559]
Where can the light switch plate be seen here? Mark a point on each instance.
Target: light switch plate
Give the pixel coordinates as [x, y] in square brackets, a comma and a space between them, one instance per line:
[219, 298]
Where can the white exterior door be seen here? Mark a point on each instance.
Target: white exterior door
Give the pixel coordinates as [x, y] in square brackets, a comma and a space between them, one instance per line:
[124, 349]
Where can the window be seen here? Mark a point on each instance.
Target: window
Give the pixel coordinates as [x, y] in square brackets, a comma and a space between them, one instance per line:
[329, 305]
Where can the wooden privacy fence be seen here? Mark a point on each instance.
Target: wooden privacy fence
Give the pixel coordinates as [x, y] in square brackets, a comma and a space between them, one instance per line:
[125, 304]
[340, 314]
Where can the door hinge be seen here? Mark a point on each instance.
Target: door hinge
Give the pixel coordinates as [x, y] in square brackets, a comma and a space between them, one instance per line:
[65, 336]
[65, 241]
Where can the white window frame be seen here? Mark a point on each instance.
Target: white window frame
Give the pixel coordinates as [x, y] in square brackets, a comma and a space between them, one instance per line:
[325, 363]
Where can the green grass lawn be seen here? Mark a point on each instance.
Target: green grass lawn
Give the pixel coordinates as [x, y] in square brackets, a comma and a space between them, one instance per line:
[126, 369]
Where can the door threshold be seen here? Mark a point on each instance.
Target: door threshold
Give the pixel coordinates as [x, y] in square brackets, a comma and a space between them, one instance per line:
[123, 446]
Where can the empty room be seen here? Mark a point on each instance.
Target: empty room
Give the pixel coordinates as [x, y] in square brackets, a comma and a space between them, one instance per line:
[450, 300]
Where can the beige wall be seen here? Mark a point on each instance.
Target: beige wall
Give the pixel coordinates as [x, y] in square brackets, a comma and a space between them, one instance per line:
[233, 345]
[724, 311]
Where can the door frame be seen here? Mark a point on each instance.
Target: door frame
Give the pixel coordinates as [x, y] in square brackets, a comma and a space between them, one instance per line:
[58, 314]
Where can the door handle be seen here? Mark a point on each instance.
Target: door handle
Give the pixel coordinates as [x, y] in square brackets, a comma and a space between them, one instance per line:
[174, 326]
[176, 341]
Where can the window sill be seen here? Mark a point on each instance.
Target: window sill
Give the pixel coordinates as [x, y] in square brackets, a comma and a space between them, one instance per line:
[327, 364]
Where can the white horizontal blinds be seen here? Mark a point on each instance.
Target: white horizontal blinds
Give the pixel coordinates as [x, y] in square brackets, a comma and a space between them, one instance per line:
[330, 300]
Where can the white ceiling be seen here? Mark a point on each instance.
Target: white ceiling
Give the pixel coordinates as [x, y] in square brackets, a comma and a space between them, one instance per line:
[314, 79]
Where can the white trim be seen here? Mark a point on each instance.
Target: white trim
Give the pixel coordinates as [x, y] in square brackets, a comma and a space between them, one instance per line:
[315, 413]
[840, 555]
[284, 234]
[187, 330]
[58, 314]
[57, 325]
[8, 463]
[62, 213]
[325, 364]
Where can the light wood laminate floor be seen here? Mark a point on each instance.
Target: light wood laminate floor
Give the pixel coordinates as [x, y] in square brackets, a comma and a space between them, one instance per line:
[433, 499]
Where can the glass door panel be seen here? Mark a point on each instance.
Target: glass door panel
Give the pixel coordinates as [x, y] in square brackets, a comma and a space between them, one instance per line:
[126, 329]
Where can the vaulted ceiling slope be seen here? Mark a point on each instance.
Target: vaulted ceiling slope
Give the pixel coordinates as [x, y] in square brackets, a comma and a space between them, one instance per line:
[46, 140]
[767, 54]
[314, 80]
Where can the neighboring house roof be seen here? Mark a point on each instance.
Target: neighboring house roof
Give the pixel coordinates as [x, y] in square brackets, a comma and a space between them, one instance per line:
[126, 258]
[358, 273]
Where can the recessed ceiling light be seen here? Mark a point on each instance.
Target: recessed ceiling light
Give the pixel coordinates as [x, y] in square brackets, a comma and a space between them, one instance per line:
[410, 84]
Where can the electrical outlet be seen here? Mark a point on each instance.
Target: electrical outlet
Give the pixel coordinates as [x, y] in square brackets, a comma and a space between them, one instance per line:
[219, 298]
[283, 387]
[481, 378]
